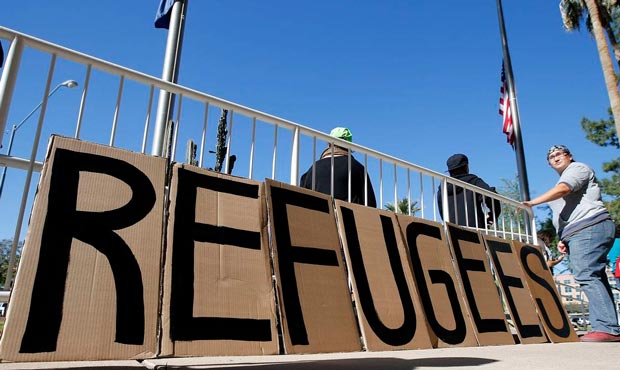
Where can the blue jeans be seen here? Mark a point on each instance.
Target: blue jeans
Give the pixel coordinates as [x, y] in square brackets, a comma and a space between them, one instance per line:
[588, 250]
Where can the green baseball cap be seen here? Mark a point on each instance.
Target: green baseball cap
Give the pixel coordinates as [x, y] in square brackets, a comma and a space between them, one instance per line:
[342, 133]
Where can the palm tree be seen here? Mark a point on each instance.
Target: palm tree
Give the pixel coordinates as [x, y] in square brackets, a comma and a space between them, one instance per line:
[573, 11]
[599, 14]
[403, 207]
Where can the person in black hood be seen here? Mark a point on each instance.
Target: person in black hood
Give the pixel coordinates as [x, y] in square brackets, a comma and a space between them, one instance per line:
[458, 167]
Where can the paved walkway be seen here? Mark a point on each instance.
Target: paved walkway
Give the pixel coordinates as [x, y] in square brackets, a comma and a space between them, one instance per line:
[566, 356]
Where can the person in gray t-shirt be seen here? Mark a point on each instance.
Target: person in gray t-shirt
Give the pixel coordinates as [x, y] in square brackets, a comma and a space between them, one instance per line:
[586, 233]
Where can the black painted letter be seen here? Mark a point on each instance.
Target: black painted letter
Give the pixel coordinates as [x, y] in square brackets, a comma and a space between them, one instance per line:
[468, 264]
[458, 334]
[565, 330]
[288, 254]
[183, 325]
[526, 331]
[63, 223]
[397, 336]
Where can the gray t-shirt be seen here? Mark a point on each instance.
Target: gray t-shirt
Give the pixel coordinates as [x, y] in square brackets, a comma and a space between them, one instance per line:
[583, 206]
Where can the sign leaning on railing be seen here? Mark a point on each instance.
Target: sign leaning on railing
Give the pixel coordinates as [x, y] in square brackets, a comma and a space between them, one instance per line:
[111, 271]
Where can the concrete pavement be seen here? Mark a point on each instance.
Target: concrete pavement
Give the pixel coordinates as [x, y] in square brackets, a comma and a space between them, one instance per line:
[548, 356]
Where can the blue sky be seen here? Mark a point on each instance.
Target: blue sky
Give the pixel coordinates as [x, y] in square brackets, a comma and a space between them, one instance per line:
[418, 80]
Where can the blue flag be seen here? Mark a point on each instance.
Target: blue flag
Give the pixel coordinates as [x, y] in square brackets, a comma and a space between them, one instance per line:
[162, 18]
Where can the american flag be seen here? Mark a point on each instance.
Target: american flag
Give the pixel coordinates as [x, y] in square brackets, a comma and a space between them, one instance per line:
[505, 111]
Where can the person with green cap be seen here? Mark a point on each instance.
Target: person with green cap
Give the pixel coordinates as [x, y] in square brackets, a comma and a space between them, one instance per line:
[360, 183]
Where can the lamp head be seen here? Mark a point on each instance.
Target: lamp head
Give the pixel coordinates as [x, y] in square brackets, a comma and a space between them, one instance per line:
[69, 83]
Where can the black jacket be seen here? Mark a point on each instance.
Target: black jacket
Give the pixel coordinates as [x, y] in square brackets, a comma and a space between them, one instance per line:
[341, 179]
[460, 194]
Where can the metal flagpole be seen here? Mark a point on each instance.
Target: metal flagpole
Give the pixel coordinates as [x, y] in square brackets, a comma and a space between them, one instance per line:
[170, 73]
[519, 152]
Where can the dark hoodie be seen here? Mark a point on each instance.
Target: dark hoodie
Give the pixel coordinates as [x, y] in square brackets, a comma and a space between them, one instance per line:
[460, 194]
[323, 168]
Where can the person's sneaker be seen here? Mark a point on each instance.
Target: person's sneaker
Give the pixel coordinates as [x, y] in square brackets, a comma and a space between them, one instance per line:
[599, 336]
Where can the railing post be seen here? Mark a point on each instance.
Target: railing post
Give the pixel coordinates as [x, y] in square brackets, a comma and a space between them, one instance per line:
[380, 205]
[444, 200]
[532, 219]
[295, 157]
[8, 153]
[7, 83]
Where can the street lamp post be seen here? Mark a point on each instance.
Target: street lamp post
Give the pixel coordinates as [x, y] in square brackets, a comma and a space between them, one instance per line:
[69, 84]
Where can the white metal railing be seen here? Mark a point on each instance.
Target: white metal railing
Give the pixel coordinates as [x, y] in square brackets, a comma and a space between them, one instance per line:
[266, 146]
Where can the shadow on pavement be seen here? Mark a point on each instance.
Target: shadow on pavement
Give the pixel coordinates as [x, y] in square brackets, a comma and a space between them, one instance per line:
[345, 364]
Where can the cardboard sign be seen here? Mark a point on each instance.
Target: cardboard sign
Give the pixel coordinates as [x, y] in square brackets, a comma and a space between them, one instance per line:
[88, 283]
[481, 293]
[542, 288]
[315, 303]
[92, 284]
[437, 282]
[218, 297]
[388, 306]
[516, 294]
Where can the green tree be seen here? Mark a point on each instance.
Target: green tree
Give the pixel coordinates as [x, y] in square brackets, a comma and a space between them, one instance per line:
[546, 227]
[403, 207]
[601, 15]
[547, 224]
[5, 253]
[510, 189]
[510, 214]
[603, 133]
